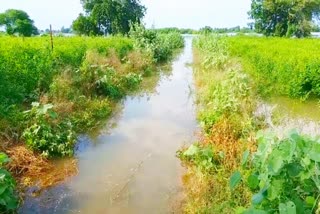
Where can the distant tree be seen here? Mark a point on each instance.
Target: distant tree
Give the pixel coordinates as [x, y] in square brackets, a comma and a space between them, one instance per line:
[108, 16]
[316, 27]
[284, 17]
[65, 30]
[186, 31]
[206, 29]
[18, 22]
[85, 25]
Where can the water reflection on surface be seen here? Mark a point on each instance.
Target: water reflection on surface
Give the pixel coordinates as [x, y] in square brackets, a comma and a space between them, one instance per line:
[284, 114]
[131, 168]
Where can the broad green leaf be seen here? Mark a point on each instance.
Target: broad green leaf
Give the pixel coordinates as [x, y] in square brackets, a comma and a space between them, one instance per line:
[12, 203]
[305, 162]
[235, 180]
[309, 185]
[3, 188]
[314, 153]
[294, 135]
[275, 163]
[259, 197]
[275, 189]
[294, 169]
[3, 158]
[310, 200]
[307, 174]
[287, 149]
[253, 181]
[288, 208]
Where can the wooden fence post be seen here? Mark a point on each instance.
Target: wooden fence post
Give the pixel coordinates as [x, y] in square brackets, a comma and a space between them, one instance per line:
[51, 37]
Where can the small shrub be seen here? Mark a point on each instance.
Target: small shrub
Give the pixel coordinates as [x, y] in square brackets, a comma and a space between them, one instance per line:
[159, 46]
[44, 134]
[284, 174]
[88, 113]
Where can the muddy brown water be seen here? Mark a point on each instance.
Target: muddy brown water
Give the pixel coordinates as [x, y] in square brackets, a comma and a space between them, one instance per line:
[283, 115]
[131, 167]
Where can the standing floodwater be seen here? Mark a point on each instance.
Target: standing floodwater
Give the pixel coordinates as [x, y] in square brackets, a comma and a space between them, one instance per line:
[132, 168]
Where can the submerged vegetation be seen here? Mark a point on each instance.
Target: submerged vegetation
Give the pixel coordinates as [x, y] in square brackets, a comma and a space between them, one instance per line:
[49, 96]
[234, 167]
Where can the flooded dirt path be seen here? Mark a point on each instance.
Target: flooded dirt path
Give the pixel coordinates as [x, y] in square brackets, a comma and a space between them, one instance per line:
[132, 168]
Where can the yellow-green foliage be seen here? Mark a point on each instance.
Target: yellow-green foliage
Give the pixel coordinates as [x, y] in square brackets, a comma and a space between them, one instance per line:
[222, 88]
[72, 87]
[27, 65]
[280, 66]
[31, 71]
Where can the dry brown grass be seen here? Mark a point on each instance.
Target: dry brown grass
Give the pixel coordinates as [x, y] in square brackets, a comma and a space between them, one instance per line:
[224, 138]
[138, 62]
[209, 192]
[32, 169]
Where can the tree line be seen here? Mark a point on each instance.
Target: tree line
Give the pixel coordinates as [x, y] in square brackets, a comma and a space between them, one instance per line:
[283, 18]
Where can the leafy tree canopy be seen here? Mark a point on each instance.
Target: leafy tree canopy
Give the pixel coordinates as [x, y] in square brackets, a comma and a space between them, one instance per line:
[108, 16]
[17, 22]
[284, 17]
[85, 25]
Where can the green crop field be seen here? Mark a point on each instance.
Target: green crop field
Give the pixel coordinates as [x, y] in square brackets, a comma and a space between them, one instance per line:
[289, 67]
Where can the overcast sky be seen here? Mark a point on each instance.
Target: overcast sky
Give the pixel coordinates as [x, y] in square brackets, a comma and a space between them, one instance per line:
[160, 13]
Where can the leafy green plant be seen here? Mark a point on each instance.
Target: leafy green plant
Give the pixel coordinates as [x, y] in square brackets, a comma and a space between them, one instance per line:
[44, 134]
[284, 174]
[201, 157]
[90, 113]
[8, 197]
[159, 46]
[224, 98]
[213, 49]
